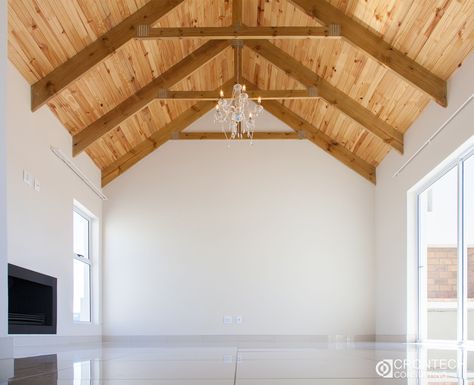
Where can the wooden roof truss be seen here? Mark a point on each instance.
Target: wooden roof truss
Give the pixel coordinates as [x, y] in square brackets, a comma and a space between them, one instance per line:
[334, 25]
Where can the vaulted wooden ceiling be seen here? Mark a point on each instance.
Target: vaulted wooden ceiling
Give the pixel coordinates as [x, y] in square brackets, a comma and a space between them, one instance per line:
[107, 69]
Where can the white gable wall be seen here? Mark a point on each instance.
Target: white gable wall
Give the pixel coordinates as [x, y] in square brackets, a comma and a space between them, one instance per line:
[279, 233]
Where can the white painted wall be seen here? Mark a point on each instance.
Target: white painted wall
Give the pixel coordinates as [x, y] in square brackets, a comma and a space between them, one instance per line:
[5, 343]
[395, 232]
[279, 233]
[40, 223]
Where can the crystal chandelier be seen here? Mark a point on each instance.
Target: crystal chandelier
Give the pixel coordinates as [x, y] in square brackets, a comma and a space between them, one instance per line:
[234, 114]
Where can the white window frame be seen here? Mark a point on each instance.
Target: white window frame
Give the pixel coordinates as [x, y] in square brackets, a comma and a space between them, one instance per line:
[87, 261]
[462, 303]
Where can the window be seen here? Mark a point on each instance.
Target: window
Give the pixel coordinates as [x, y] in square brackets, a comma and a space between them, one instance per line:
[446, 254]
[82, 266]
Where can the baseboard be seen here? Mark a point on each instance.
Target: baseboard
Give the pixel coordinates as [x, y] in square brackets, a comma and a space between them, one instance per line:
[6, 347]
[48, 340]
[8, 343]
[237, 340]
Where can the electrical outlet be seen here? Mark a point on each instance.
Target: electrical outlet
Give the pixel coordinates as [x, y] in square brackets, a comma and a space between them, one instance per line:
[239, 320]
[37, 185]
[228, 320]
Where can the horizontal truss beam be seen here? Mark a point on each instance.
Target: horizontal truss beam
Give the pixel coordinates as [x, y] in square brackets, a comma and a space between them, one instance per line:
[238, 32]
[221, 136]
[310, 93]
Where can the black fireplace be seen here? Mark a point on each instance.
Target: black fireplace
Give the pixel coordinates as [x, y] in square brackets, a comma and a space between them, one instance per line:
[31, 302]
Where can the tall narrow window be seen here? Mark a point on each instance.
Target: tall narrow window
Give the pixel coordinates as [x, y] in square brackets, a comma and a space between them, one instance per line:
[82, 267]
[438, 215]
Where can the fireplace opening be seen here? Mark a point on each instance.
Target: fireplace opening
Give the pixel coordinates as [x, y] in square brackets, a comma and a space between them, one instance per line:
[31, 302]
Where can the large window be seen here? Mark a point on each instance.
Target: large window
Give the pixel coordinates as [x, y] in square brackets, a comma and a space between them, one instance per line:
[446, 254]
[82, 266]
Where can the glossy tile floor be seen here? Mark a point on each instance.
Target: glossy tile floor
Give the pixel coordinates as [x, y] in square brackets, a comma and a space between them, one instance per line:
[317, 364]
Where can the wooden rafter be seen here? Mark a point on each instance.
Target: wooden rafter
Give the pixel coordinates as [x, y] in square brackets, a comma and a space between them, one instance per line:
[221, 136]
[158, 138]
[74, 68]
[378, 48]
[147, 94]
[253, 94]
[328, 92]
[238, 32]
[322, 140]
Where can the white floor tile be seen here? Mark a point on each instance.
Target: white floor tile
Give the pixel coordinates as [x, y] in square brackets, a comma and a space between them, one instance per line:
[217, 365]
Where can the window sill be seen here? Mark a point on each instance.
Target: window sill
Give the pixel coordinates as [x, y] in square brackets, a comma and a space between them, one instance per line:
[83, 322]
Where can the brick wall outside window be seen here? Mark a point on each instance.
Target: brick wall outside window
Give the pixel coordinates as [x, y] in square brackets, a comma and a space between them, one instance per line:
[443, 270]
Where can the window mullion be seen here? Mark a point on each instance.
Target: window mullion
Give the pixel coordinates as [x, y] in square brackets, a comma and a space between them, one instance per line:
[462, 262]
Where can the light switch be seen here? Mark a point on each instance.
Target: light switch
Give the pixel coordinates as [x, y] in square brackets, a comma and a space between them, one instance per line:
[228, 320]
[27, 178]
[239, 320]
[37, 184]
